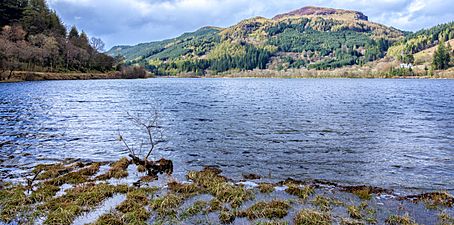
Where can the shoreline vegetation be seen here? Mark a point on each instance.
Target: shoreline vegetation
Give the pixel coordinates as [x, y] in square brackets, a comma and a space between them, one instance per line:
[103, 193]
[20, 76]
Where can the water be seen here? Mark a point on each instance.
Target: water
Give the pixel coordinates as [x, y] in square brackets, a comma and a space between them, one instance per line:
[389, 133]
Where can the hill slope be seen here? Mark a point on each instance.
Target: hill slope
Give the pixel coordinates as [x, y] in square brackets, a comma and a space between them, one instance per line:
[310, 37]
[421, 40]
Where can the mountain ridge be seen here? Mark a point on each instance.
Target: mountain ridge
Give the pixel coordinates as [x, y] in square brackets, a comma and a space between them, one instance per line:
[320, 11]
[309, 37]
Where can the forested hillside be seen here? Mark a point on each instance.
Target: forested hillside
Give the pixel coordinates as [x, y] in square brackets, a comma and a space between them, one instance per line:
[33, 38]
[310, 37]
[410, 50]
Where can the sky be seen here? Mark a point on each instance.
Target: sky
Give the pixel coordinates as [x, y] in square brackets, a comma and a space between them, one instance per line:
[129, 22]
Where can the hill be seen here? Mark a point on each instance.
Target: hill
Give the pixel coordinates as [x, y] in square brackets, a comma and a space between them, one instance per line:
[310, 37]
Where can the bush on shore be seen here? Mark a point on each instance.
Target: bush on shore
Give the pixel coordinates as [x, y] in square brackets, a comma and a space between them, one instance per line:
[132, 72]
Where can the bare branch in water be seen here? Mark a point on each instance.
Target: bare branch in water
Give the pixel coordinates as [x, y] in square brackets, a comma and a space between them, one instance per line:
[154, 136]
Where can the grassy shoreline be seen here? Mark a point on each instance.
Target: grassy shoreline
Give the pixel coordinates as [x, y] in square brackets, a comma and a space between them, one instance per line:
[21, 76]
[65, 192]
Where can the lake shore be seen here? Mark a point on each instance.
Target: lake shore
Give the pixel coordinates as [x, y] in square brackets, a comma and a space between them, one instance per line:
[21, 76]
[119, 192]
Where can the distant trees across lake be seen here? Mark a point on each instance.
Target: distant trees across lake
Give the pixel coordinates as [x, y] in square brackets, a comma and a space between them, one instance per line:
[33, 38]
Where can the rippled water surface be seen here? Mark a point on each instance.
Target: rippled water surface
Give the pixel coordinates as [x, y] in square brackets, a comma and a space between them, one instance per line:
[388, 133]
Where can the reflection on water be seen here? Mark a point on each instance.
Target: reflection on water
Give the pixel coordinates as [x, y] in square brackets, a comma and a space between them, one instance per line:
[391, 133]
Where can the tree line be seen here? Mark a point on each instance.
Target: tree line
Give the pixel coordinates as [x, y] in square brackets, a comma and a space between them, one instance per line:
[252, 58]
[33, 38]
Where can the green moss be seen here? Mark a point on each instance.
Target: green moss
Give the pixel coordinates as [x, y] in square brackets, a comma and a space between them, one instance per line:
[117, 170]
[400, 220]
[274, 209]
[311, 217]
[266, 188]
[303, 193]
[218, 186]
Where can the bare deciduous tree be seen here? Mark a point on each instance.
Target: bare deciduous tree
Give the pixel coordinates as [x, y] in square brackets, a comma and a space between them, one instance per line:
[140, 156]
[97, 44]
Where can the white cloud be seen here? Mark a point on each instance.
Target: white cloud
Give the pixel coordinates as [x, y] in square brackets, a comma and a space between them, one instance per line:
[134, 21]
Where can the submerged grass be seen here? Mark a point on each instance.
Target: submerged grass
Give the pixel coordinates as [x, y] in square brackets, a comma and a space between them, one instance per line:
[324, 203]
[220, 188]
[167, 206]
[133, 208]
[17, 206]
[312, 217]
[400, 220]
[302, 192]
[64, 209]
[445, 219]
[77, 177]
[184, 189]
[44, 193]
[117, 170]
[362, 212]
[110, 219]
[227, 216]
[14, 204]
[354, 212]
[197, 208]
[273, 222]
[348, 221]
[266, 188]
[270, 210]
[435, 200]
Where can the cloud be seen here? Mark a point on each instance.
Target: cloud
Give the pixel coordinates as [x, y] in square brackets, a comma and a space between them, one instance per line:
[135, 21]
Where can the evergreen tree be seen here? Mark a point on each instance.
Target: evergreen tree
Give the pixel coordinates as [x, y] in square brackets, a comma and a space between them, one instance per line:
[35, 19]
[56, 27]
[73, 34]
[83, 41]
[441, 57]
[11, 11]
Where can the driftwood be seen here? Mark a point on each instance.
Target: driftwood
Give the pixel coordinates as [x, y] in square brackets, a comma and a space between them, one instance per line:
[154, 137]
[154, 167]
